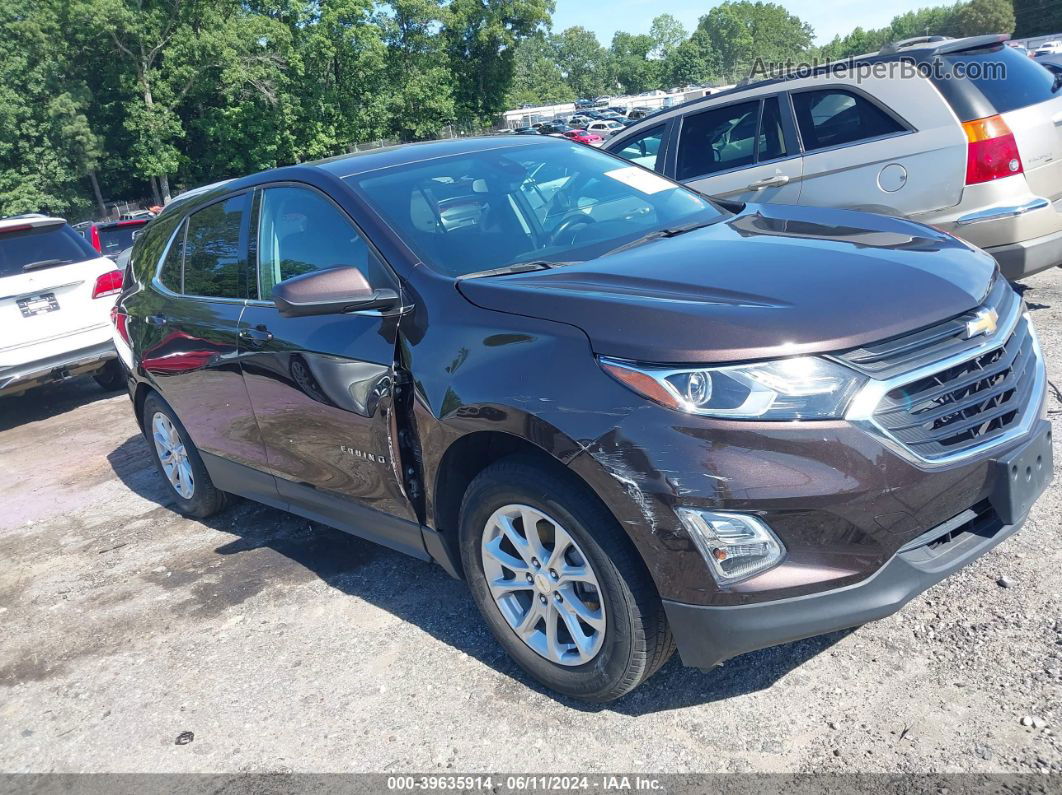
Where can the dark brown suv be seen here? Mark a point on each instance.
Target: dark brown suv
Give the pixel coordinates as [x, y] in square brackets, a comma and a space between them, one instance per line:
[628, 416]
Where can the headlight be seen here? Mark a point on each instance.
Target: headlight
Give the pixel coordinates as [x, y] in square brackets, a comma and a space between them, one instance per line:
[803, 387]
[735, 545]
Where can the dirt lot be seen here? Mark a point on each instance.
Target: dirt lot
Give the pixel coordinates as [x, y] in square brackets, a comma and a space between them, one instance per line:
[282, 645]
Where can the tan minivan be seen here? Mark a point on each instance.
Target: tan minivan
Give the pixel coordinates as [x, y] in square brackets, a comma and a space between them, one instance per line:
[962, 134]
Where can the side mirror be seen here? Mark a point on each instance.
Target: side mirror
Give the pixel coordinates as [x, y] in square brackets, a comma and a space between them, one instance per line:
[332, 291]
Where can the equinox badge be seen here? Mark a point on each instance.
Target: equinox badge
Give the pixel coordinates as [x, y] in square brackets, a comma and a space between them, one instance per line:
[984, 322]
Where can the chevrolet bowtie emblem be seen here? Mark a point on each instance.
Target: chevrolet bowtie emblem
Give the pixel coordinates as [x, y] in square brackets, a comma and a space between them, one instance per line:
[984, 322]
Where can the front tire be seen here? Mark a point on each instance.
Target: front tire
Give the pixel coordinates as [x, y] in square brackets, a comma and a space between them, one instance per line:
[179, 462]
[558, 582]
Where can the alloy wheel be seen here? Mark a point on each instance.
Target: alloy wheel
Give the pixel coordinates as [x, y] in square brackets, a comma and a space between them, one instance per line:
[172, 455]
[543, 585]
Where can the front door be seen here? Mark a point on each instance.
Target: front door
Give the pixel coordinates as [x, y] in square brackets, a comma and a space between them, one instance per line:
[322, 386]
[741, 152]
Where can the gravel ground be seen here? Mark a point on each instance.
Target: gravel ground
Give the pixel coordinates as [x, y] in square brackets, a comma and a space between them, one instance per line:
[279, 645]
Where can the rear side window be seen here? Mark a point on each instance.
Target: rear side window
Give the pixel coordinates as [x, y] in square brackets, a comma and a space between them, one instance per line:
[718, 139]
[213, 248]
[833, 117]
[41, 247]
[645, 149]
[1007, 79]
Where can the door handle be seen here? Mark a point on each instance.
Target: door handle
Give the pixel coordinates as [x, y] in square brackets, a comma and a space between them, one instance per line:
[259, 335]
[156, 320]
[769, 182]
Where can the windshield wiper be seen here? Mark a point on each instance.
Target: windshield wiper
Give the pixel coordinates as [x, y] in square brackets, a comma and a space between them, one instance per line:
[516, 267]
[46, 263]
[659, 234]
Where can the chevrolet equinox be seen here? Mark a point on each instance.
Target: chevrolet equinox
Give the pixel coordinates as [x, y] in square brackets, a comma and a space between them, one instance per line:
[631, 418]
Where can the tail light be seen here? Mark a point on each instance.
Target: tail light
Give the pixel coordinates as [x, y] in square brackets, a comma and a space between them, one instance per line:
[109, 283]
[120, 321]
[94, 238]
[991, 152]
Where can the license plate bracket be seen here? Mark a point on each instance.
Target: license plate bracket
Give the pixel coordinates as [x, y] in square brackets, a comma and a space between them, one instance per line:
[1022, 475]
[41, 304]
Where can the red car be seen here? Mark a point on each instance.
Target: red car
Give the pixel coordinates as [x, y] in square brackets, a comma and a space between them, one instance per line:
[110, 238]
[584, 137]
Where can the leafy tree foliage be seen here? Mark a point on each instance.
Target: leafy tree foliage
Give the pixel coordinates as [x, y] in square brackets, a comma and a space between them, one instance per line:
[108, 99]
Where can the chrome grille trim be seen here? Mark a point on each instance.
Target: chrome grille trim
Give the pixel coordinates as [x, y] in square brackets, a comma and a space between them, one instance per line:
[869, 400]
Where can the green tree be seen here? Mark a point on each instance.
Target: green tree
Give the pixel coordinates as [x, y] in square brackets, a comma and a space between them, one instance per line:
[481, 38]
[986, 16]
[48, 147]
[693, 61]
[420, 84]
[630, 64]
[743, 32]
[584, 61]
[667, 33]
[1035, 17]
[537, 76]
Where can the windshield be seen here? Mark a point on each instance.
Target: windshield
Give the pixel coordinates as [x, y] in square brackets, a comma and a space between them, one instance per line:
[44, 246]
[552, 201]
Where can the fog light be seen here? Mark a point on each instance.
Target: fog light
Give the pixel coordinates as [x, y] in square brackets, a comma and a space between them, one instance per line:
[735, 545]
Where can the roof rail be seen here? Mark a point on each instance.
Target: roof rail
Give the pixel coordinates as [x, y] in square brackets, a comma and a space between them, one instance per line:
[896, 46]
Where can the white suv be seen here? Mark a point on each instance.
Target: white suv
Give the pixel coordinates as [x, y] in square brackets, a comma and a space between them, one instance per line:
[971, 145]
[56, 296]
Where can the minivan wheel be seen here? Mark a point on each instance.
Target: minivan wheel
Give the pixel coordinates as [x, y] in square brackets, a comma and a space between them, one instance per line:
[559, 584]
[179, 462]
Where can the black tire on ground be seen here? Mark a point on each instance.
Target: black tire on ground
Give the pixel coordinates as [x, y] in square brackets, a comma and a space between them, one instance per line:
[111, 376]
[637, 638]
[206, 499]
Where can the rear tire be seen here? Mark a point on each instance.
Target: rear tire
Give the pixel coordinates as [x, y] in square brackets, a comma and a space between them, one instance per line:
[622, 604]
[111, 376]
[179, 462]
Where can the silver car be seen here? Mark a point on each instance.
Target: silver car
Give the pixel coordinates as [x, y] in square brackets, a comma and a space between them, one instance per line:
[971, 144]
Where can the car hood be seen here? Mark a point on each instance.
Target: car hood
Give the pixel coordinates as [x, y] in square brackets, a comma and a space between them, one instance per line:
[771, 279]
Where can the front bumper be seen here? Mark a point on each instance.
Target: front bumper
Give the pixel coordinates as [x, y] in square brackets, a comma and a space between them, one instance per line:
[708, 635]
[1027, 257]
[21, 377]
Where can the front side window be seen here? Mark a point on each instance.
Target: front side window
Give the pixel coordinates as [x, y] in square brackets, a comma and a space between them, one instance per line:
[213, 260]
[771, 142]
[718, 139]
[300, 231]
[645, 149]
[832, 117]
[554, 202]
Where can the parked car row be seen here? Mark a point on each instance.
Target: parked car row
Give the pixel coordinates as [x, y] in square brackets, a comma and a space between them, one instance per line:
[630, 416]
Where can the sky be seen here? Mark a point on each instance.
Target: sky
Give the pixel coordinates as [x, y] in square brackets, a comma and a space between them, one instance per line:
[605, 17]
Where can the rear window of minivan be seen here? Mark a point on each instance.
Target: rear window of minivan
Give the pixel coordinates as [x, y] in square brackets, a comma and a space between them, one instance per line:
[43, 247]
[1007, 79]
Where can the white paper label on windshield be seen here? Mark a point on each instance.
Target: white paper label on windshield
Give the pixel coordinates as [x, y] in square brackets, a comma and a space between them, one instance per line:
[640, 179]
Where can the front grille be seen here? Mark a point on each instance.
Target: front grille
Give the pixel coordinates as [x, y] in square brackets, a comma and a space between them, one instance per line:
[903, 354]
[965, 405]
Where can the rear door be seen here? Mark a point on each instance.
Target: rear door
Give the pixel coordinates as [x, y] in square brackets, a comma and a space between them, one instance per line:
[860, 154]
[189, 332]
[47, 277]
[322, 387]
[744, 151]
